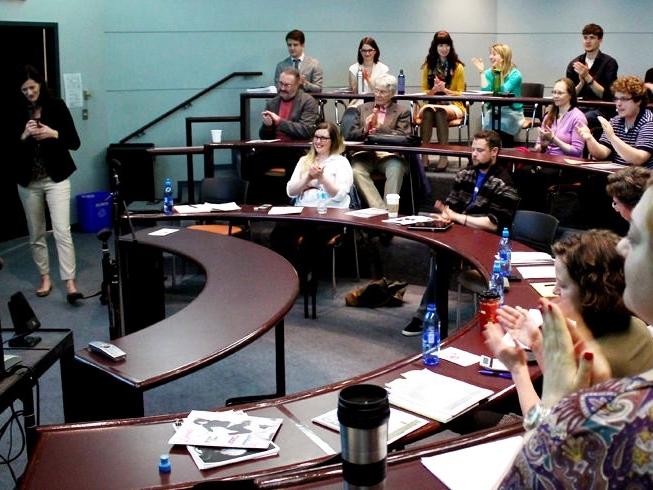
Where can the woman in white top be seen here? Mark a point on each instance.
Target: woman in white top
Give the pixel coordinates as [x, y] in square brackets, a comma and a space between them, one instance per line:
[323, 166]
[371, 67]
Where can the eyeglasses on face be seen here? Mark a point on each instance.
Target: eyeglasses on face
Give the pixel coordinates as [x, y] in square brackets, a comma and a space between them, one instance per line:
[365, 51]
[285, 85]
[317, 137]
[622, 99]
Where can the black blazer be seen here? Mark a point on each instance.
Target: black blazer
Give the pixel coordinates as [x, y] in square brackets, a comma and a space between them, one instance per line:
[55, 153]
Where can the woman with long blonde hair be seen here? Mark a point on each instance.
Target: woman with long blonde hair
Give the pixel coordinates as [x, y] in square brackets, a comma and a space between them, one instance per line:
[501, 65]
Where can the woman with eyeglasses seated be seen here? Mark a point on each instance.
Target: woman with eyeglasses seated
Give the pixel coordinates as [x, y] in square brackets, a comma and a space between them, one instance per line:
[589, 283]
[557, 136]
[442, 74]
[371, 68]
[628, 137]
[323, 167]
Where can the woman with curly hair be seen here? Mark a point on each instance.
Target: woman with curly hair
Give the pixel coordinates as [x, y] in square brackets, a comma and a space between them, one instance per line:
[628, 137]
[589, 284]
[442, 74]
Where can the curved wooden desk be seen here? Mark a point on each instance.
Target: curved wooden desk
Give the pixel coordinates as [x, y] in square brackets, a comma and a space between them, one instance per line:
[68, 456]
[235, 307]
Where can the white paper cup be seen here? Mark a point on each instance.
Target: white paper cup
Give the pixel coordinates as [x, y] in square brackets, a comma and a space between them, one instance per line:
[216, 135]
[392, 201]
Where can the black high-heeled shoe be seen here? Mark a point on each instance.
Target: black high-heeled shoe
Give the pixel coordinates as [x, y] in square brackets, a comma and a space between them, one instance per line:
[73, 298]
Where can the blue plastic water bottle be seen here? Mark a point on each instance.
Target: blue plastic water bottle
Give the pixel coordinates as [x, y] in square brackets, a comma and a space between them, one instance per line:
[401, 83]
[505, 252]
[496, 280]
[168, 202]
[431, 336]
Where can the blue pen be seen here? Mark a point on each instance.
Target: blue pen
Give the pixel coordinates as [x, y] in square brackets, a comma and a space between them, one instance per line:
[500, 374]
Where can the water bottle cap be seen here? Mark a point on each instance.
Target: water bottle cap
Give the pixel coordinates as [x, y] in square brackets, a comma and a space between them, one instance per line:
[430, 307]
[164, 463]
[505, 232]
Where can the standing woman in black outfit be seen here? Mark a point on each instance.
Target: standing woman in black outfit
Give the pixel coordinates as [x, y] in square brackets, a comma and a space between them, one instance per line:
[45, 132]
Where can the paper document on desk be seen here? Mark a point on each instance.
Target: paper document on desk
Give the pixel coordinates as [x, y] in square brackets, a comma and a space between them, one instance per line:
[206, 457]
[277, 210]
[433, 395]
[225, 206]
[234, 429]
[367, 212]
[605, 166]
[517, 258]
[537, 272]
[400, 423]
[490, 461]
[164, 231]
[263, 141]
[408, 220]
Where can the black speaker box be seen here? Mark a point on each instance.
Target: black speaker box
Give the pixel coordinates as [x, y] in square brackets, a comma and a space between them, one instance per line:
[24, 320]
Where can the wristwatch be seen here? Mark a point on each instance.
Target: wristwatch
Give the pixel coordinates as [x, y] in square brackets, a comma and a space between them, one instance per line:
[590, 82]
[535, 416]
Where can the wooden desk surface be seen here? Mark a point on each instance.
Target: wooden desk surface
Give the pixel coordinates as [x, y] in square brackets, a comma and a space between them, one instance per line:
[236, 306]
[133, 445]
[124, 453]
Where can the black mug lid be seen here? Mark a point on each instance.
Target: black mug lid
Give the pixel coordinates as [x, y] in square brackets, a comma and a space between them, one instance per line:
[363, 406]
[489, 294]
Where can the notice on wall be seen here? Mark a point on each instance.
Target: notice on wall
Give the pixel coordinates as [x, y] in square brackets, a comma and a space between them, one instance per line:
[73, 88]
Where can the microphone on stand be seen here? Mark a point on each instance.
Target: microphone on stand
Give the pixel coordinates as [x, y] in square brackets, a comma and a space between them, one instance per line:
[115, 166]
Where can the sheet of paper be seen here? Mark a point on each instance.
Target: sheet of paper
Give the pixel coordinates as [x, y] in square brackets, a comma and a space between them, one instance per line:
[399, 424]
[458, 356]
[262, 141]
[605, 166]
[227, 206]
[367, 212]
[407, 220]
[538, 272]
[276, 210]
[192, 208]
[490, 461]
[164, 231]
[544, 289]
[517, 258]
[422, 391]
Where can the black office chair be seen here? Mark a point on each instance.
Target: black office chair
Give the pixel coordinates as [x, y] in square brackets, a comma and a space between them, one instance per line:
[532, 112]
[534, 229]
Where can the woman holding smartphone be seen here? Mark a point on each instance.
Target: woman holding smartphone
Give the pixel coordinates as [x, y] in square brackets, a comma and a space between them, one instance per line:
[44, 135]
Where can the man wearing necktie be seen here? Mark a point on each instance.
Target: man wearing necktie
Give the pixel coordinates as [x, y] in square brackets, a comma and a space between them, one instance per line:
[310, 70]
[381, 116]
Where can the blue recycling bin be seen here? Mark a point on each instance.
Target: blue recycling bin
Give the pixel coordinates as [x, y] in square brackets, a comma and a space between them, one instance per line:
[94, 211]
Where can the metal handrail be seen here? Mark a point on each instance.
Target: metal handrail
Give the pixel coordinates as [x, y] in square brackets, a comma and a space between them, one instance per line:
[189, 101]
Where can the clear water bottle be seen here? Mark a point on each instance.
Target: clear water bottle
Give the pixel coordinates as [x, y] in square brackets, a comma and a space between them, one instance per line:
[496, 280]
[496, 81]
[505, 252]
[168, 202]
[431, 336]
[321, 201]
[359, 80]
[401, 83]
